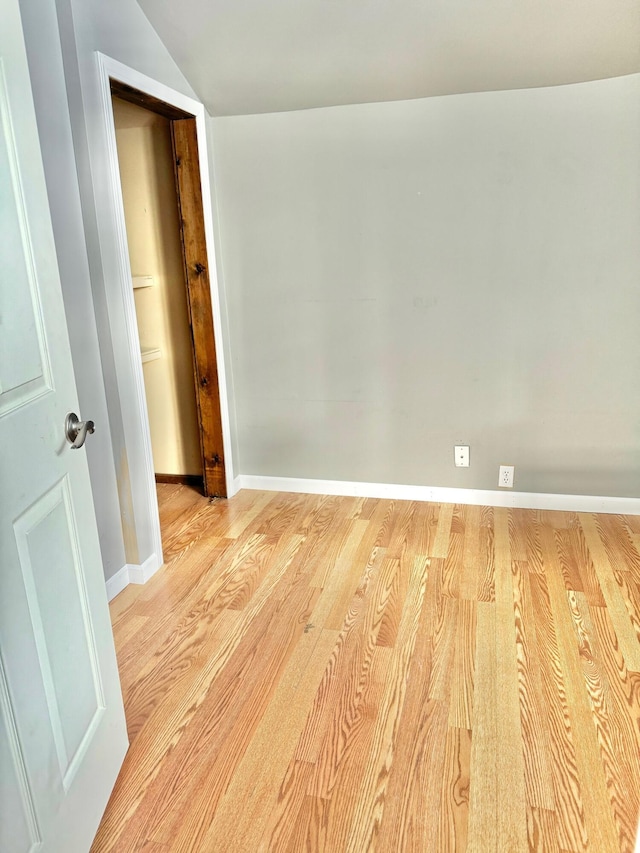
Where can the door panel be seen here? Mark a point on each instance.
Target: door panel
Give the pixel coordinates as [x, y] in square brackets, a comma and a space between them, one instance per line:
[67, 655]
[62, 729]
[22, 353]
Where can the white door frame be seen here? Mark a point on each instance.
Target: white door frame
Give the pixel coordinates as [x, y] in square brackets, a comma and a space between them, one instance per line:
[128, 364]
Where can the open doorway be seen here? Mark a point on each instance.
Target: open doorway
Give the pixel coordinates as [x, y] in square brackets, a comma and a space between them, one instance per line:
[158, 159]
[153, 234]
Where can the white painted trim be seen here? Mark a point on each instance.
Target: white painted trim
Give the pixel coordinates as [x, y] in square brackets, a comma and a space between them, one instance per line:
[141, 574]
[129, 370]
[439, 494]
[130, 573]
[116, 583]
[112, 69]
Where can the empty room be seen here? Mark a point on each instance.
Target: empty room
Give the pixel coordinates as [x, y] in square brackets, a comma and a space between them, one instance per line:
[320, 488]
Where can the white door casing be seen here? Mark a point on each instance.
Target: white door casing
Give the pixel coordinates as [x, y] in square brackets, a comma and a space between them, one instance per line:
[62, 728]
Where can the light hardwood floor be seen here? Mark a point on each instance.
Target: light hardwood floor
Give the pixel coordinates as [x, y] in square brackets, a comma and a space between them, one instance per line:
[338, 674]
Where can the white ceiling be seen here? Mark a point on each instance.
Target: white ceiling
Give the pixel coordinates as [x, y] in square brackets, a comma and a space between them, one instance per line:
[250, 56]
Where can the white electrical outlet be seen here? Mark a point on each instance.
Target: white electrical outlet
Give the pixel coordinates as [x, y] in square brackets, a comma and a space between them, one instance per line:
[461, 455]
[505, 477]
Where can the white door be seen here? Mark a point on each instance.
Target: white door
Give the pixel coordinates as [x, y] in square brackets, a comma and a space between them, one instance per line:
[62, 728]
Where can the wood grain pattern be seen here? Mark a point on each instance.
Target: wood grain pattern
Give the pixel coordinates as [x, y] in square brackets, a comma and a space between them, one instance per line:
[312, 673]
[196, 265]
[454, 807]
[142, 99]
[483, 773]
[511, 802]
[566, 785]
[535, 731]
[598, 815]
[461, 701]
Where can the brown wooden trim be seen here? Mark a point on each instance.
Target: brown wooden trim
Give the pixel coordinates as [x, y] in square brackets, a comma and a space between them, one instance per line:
[141, 99]
[189, 191]
[181, 479]
[196, 263]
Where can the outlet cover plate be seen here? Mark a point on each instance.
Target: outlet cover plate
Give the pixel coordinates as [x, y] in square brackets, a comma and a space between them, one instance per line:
[461, 455]
[505, 477]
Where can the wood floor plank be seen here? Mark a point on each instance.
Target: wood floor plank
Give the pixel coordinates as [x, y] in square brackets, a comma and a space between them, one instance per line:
[441, 542]
[370, 804]
[533, 713]
[314, 820]
[618, 544]
[343, 759]
[343, 688]
[128, 628]
[600, 825]
[569, 807]
[542, 830]
[453, 564]
[306, 831]
[253, 511]
[472, 557]
[486, 569]
[575, 544]
[256, 782]
[616, 605]
[410, 820]
[122, 605]
[427, 527]
[518, 534]
[175, 504]
[633, 523]
[511, 800]
[630, 592]
[461, 701]
[568, 560]
[454, 807]
[445, 621]
[617, 741]
[556, 519]
[368, 551]
[483, 773]
[534, 549]
[194, 523]
[624, 684]
[323, 673]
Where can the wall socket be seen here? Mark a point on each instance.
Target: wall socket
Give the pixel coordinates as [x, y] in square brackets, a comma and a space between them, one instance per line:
[505, 477]
[461, 455]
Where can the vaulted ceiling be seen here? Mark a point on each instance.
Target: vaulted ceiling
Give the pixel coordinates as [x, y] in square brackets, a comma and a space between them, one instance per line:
[250, 56]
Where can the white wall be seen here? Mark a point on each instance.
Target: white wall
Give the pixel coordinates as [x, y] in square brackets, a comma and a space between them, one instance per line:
[222, 293]
[406, 276]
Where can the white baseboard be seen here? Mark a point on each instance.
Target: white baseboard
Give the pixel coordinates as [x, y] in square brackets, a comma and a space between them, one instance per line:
[116, 583]
[131, 573]
[142, 573]
[439, 494]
